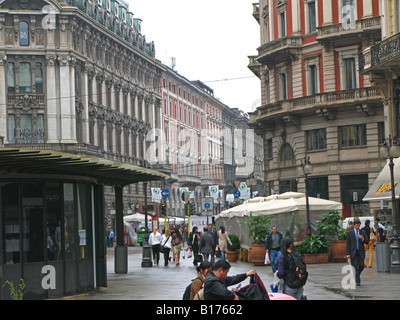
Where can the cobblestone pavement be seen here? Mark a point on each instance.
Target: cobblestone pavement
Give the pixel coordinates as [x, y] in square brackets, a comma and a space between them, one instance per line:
[169, 283]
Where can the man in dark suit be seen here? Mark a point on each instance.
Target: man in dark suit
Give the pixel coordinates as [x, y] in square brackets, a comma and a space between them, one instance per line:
[215, 241]
[356, 238]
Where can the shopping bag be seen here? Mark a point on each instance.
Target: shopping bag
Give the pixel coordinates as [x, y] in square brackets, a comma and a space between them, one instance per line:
[275, 283]
[267, 261]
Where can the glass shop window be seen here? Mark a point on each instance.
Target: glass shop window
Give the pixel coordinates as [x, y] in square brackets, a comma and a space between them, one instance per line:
[33, 238]
[54, 221]
[70, 236]
[9, 206]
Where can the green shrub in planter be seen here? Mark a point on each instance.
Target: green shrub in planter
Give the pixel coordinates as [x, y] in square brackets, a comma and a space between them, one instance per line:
[329, 224]
[314, 245]
[235, 242]
[259, 227]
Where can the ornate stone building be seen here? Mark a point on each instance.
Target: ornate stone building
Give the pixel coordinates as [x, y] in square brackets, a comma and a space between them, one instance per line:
[315, 102]
[78, 76]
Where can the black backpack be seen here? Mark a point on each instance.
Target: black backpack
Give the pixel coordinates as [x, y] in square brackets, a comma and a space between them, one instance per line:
[297, 276]
[255, 290]
[186, 294]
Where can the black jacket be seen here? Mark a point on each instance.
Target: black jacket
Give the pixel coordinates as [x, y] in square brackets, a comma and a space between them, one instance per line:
[351, 243]
[214, 237]
[268, 240]
[217, 289]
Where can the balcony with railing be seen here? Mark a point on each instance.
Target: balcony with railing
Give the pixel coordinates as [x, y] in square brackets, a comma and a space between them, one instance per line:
[256, 11]
[279, 50]
[341, 31]
[384, 55]
[318, 101]
[254, 66]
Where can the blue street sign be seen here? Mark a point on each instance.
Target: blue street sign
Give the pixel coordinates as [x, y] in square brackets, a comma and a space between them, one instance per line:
[236, 194]
[165, 193]
[207, 205]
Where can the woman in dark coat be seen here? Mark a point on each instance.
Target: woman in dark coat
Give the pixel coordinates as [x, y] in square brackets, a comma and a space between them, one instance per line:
[194, 244]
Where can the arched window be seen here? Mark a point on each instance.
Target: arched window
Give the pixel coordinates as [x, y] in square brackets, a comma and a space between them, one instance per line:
[286, 156]
[23, 33]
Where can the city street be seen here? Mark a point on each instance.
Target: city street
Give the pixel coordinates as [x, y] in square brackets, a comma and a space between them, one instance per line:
[169, 283]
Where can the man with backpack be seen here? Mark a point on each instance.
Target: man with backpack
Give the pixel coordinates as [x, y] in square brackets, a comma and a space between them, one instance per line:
[292, 270]
[217, 282]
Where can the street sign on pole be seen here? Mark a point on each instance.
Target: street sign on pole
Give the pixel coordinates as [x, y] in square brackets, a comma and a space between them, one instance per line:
[236, 194]
[165, 193]
[207, 204]
[237, 183]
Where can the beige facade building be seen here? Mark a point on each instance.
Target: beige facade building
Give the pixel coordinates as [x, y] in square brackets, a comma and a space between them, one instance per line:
[315, 103]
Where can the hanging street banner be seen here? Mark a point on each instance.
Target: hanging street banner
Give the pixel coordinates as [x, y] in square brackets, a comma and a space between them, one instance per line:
[214, 192]
[244, 191]
[156, 195]
[182, 190]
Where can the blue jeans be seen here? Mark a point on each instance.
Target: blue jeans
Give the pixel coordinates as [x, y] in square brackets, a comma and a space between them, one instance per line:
[295, 293]
[274, 255]
[223, 255]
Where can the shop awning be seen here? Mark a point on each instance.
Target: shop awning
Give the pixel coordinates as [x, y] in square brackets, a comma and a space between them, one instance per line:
[46, 162]
[382, 187]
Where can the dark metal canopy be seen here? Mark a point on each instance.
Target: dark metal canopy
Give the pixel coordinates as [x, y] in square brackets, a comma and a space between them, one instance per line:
[47, 162]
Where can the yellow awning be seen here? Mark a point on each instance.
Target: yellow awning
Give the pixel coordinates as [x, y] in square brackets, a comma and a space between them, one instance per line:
[382, 187]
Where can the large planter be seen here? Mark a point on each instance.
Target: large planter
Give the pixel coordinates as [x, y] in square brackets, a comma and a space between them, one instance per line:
[338, 249]
[232, 256]
[258, 254]
[310, 258]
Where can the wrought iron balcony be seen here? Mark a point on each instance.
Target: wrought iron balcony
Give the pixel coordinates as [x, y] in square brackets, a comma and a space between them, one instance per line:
[381, 56]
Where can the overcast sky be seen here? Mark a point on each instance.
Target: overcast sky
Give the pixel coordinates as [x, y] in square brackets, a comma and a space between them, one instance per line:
[211, 41]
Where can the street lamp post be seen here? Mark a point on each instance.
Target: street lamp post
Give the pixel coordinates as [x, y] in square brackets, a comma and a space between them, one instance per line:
[146, 261]
[219, 204]
[307, 169]
[393, 151]
[251, 182]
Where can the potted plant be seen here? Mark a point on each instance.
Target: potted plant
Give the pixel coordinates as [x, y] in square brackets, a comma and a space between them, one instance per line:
[232, 252]
[258, 230]
[314, 249]
[330, 228]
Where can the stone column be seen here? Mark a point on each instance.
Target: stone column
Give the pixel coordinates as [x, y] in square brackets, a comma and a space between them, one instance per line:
[67, 99]
[53, 122]
[121, 252]
[3, 98]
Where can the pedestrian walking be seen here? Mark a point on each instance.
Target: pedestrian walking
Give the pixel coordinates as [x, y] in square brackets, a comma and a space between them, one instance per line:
[194, 244]
[273, 247]
[292, 270]
[198, 283]
[177, 245]
[166, 246]
[112, 234]
[108, 237]
[370, 232]
[223, 240]
[206, 245]
[381, 231]
[217, 282]
[154, 243]
[215, 241]
[355, 250]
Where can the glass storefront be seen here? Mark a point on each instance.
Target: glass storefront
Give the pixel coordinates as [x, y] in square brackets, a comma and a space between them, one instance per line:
[49, 223]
